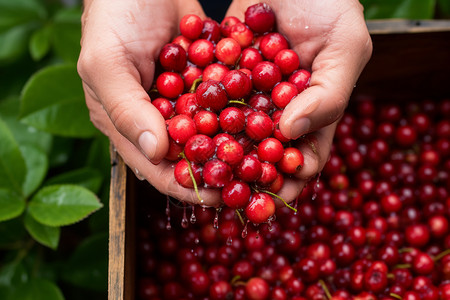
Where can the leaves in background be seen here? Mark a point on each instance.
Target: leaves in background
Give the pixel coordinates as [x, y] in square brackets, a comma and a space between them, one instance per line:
[88, 265]
[17, 20]
[61, 205]
[12, 164]
[36, 289]
[46, 235]
[37, 166]
[53, 101]
[86, 177]
[67, 34]
[11, 205]
[404, 9]
[40, 42]
[11, 275]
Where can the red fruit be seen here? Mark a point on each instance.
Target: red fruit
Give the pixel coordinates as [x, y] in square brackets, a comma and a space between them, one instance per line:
[173, 57]
[260, 18]
[237, 84]
[191, 26]
[187, 104]
[287, 60]
[199, 283]
[228, 51]
[423, 264]
[199, 148]
[190, 74]
[165, 107]
[201, 52]
[236, 194]
[174, 151]
[265, 75]
[260, 208]
[183, 41]
[283, 93]
[250, 57]
[211, 95]
[216, 173]
[183, 176]
[242, 34]
[257, 289]
[222, 137]
[268, 176]
[170, 85]
[220, 290]
[210, 31]
[206, 122]
[215, 72]
[271, 44]
[181, 128]
[417, 235]
[277, 184]
[249, 169]
[292, 161]
[230, 152]
[227, 23]
[232, 120]
[259, 126]
[270, 150]
[300, 79]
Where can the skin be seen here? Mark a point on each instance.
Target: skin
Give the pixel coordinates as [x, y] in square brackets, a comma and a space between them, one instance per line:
[121, 42]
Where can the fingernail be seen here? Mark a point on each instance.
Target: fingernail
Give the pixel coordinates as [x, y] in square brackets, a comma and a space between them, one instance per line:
[147, 141]
[300, 127]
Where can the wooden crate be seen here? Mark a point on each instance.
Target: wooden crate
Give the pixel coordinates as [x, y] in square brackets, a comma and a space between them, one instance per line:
[411, 60]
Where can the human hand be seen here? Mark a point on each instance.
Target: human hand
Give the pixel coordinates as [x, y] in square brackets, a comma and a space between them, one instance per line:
[332, 41]
[120, 42]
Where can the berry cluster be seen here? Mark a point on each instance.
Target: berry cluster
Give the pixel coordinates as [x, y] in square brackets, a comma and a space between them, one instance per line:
[222, 89]
[374, 225]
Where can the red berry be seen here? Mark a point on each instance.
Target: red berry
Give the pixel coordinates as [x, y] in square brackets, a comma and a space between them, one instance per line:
[260, 208]
[206, 122]
[236, 194]
[266, 75]
[201, 52]
[249, 169]
[228, 51]
[287, 60]
[232, 120]
[216, 173]
[237, 84]
[211, 95]
[260, 18]
[173, 57]
[181, 128]
[300, 79]
[259, 126]
[191, 26]
[199, 148]
[283, 93]
[183, 176]
[271, 44]
[231, 152]
[292, 161]
[170, 85]
[270, 150]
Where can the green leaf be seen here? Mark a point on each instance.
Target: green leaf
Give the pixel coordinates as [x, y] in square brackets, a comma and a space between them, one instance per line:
[13, 13]
[60, 205]
[85, 177]
[67, 34]
[53, 101]
[12, 164]
[37, 166]
[11, 274]
[24, 134]
[404, 9]
[37, 289]
[12, 232]
[40, 43]
[14, 43]
[11, 205]
[46, 235]
[88, 265]
[444, 8]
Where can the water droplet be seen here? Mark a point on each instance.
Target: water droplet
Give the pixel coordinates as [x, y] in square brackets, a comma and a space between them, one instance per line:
[306, 27]
[245, 230]
[193, 219]
[216, 219]
[316, 187]
[197, 241]
[229, 241]
[168, 225]
[184, 219]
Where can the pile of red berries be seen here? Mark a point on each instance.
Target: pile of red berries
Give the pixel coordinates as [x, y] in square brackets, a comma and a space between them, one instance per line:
[222, 89]
[374, 225]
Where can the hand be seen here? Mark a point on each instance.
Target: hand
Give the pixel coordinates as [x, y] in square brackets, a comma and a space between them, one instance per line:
[120, 43]
[332, 41]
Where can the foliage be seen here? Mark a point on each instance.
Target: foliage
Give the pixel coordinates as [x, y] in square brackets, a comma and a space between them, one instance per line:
[54, 164]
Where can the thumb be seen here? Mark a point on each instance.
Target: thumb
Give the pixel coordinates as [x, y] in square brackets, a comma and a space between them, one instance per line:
[133, 116]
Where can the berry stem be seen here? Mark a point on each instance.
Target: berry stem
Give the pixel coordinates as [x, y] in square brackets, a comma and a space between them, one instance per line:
[402, 266]
[325, 288]
[195, 84]
[278, 197]
[240, 216]
[396, 296]
[191, 174]
[441, 255]
[237, 102]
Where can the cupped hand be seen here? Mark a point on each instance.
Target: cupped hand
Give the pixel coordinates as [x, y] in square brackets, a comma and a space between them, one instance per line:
[120, 43]
[333, 43]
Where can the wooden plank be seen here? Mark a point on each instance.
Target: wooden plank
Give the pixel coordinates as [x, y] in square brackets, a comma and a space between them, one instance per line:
[117, 220]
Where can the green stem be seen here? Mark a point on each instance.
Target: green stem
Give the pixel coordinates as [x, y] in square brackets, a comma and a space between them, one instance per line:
[240, 217]
[394, 295]
[402, 266]
[278, 197]
[195, 84]
[191, 174]
[325, 288]
[237, 102]
[441, 255]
